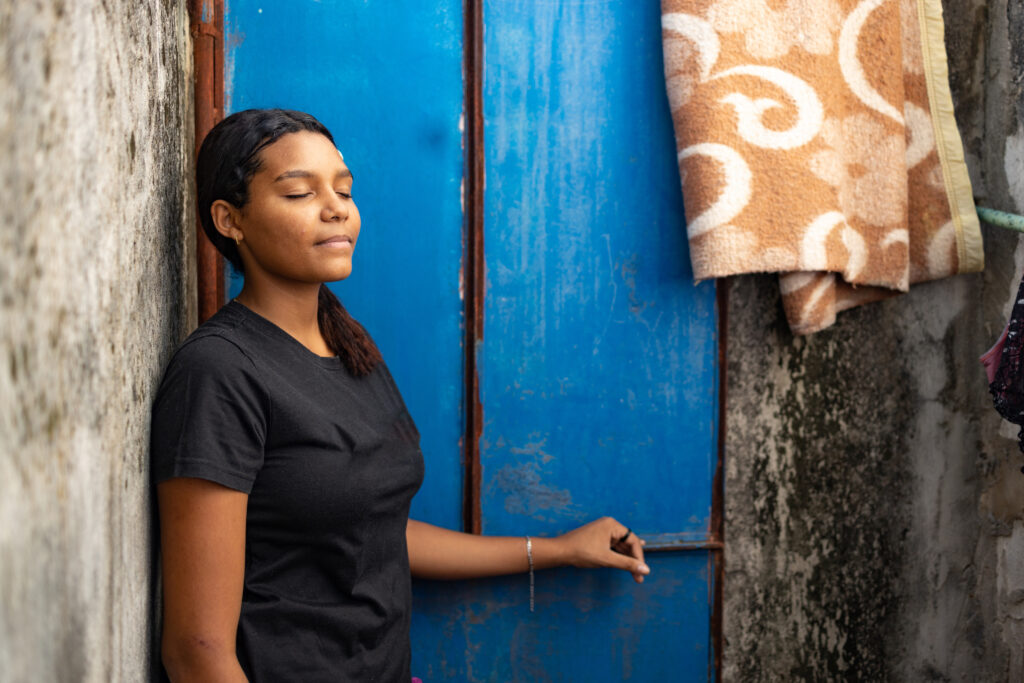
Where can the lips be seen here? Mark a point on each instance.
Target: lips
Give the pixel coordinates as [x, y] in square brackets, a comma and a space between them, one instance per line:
[336, 242]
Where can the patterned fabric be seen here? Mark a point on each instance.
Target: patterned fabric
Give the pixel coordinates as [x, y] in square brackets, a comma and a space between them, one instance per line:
[1006, 373]
[990, 359]
[816, 139]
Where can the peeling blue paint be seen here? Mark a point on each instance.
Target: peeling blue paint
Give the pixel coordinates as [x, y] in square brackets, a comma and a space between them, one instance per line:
[526, 495]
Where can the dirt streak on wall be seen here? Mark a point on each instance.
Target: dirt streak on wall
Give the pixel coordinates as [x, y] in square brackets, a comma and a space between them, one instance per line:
[95, 272]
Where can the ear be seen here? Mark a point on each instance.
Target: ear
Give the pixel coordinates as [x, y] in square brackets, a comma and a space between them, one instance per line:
[226, 220]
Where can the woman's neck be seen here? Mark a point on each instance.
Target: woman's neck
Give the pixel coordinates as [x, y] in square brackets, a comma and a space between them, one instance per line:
[293, 309]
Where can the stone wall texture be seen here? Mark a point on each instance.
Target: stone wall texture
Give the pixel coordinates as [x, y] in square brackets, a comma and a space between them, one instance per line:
[874, 499]
[96, 286]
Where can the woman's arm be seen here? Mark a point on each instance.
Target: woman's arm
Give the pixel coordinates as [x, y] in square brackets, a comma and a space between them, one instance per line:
[202, 540]
[436, 553]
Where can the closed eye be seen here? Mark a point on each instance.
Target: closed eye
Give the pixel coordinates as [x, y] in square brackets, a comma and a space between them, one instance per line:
[346, 195]
[298, 196]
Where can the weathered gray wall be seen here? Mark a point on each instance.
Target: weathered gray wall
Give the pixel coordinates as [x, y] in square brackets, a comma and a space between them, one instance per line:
[95, 267]
[874, 502]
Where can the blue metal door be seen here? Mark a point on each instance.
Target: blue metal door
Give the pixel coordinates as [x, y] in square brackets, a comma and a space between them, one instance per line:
[596, 356]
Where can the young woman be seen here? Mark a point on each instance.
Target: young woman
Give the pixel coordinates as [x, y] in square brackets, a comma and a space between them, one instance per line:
[284, 457]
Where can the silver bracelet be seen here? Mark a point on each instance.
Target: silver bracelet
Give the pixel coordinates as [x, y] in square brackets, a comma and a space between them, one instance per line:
[529, 559]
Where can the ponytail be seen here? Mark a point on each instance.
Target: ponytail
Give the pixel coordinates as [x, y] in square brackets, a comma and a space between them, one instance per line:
[346, 337]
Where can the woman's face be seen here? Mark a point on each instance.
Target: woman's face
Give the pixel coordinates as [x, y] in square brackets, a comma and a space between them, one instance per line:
[300, 223]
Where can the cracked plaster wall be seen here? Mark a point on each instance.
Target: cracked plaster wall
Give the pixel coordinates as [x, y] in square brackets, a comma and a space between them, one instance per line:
[874, 499]
[95, 269]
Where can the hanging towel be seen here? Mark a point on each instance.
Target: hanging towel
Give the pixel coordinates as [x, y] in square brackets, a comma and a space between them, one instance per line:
[816, 139]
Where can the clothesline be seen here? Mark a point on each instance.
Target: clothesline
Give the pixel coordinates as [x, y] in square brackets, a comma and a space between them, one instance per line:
[1001, 218]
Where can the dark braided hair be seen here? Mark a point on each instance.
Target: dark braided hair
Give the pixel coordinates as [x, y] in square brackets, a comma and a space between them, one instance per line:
[228, 159]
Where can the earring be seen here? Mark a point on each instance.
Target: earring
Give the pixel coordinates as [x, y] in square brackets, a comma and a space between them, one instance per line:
[238, 241]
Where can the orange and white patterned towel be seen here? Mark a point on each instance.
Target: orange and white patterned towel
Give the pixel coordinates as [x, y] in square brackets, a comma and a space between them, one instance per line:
[816, 139]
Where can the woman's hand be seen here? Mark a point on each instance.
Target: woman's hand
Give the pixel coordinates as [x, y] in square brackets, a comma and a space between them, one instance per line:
[604, 543]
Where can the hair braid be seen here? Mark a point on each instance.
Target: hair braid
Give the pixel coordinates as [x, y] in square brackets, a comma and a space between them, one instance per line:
[346, 337]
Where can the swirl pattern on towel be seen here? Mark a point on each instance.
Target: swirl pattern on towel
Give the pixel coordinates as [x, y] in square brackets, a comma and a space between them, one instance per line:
[808, 146]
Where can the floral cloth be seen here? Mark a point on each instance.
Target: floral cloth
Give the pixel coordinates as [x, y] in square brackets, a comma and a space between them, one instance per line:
[816, 139]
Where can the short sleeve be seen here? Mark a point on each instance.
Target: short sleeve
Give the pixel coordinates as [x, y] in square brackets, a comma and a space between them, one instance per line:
[210, 416]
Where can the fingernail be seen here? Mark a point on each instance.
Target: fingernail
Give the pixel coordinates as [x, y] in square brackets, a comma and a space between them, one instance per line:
[643, 569]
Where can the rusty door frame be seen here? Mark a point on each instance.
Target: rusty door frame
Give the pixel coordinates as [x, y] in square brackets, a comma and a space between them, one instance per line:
[717, 548]
[473, 258]
[206, 19]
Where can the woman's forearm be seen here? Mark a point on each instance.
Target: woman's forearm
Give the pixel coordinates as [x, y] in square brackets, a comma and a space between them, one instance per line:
[437, 553]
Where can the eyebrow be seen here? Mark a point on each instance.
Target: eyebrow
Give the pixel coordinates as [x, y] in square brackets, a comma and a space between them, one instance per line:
[300, 173]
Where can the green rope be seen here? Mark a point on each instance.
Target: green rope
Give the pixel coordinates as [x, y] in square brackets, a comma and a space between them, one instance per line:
[1001, 218]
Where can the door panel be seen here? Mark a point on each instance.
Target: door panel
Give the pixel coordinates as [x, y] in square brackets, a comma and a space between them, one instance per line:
[598, 369]
[386, 78]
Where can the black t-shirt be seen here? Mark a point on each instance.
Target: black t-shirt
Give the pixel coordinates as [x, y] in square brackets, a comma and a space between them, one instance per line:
[330, 463]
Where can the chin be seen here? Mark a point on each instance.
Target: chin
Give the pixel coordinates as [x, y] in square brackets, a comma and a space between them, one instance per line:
[338, 274]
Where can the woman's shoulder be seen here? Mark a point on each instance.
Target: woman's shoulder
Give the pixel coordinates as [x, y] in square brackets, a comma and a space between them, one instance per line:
[211, 394]
[214, 360]
[212, 351]
[222, 336]
[218, 347]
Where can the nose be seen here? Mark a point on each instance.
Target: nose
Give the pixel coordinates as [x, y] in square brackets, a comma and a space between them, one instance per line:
[334, 210]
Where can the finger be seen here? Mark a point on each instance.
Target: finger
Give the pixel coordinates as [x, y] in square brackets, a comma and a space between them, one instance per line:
[627, 563]
[627, 543]
[637, 551]
[614, 528]
[634, 547]
[620, 535]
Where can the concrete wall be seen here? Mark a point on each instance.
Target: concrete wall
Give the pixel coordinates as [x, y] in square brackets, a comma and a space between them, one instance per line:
[96, 288]
[874, 499]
